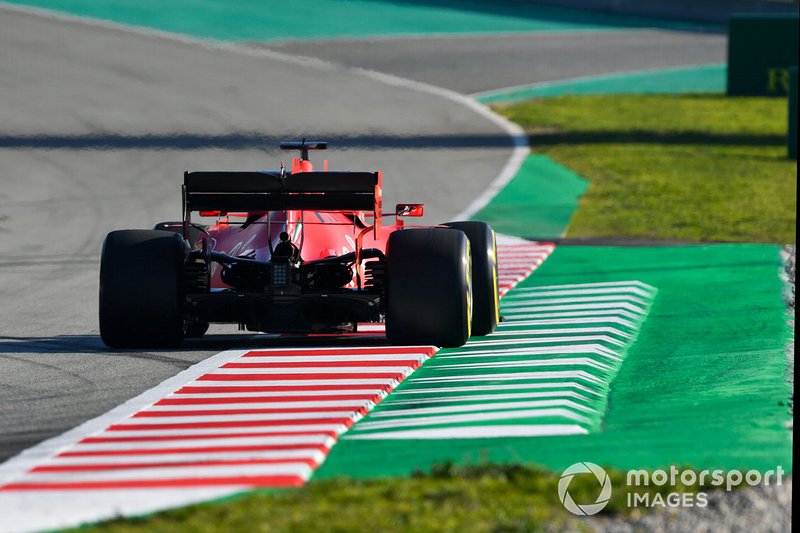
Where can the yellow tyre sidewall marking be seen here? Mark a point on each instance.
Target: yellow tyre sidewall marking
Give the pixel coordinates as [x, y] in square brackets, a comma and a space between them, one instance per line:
[468, 266]
[494, 280]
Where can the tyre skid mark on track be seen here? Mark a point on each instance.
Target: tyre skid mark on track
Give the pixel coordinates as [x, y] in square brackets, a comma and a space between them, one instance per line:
[239, 420]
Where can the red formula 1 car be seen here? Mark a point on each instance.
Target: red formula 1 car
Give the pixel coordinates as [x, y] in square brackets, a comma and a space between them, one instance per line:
[300, 251]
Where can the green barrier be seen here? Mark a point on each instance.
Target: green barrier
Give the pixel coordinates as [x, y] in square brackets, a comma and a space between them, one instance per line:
[761, 48]
[792, 138]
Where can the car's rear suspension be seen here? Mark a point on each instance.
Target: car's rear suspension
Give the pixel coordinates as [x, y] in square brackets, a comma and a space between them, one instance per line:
[196, 277]
[375, 275]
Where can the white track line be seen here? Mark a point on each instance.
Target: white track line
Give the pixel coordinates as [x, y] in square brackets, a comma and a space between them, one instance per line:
[222, 432]
[476, 432]
[517, 376]
[288, 395]
[321, 439]
[590, 349]
[536, 292]
[481, 408]
[513, 302]
[531, 385]
[575, 314]
[334, 358]
[547, 340]
[189, 457]
[532, 363]
[537, 332]
[474, 417]
[490, 397]
[562, 322]
[260, 405]
[518, 138]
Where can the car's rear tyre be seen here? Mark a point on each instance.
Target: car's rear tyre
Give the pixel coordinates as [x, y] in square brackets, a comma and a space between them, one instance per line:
[141, 286]
[429, 288]
[486, 304]
[195, 330]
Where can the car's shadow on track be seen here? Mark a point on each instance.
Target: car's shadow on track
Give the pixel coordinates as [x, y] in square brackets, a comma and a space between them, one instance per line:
[211, 343]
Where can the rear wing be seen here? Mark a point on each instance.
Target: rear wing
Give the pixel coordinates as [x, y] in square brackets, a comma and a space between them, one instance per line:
[270, 191]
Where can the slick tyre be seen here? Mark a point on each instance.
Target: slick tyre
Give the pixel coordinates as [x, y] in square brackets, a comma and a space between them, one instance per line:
[195, 329]
[486, 303]
[141, 289]
[429, 287]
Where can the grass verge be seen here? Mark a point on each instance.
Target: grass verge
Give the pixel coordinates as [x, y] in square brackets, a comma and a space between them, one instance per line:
[486, 498]
[682, 167]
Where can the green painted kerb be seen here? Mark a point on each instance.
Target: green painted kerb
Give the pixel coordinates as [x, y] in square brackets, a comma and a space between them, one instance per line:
[703, 385]
[265, 20]
[682, 80]
[539, 200]
[546, 370]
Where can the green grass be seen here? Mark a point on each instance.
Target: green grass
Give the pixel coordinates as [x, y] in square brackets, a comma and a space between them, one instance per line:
[696, 167]
[487, 498]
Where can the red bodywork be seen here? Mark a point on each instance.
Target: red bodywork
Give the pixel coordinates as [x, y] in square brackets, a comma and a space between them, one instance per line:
[288, 251]
[318, 234]
[321, 234]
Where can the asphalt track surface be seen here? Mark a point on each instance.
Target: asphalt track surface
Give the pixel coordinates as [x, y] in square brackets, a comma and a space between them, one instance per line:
[472, 64]
[97, 125]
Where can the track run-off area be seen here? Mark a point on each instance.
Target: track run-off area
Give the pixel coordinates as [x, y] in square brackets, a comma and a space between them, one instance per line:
[631, 357]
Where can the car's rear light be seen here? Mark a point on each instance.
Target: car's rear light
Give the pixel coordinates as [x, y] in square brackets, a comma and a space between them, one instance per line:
[279, 274]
